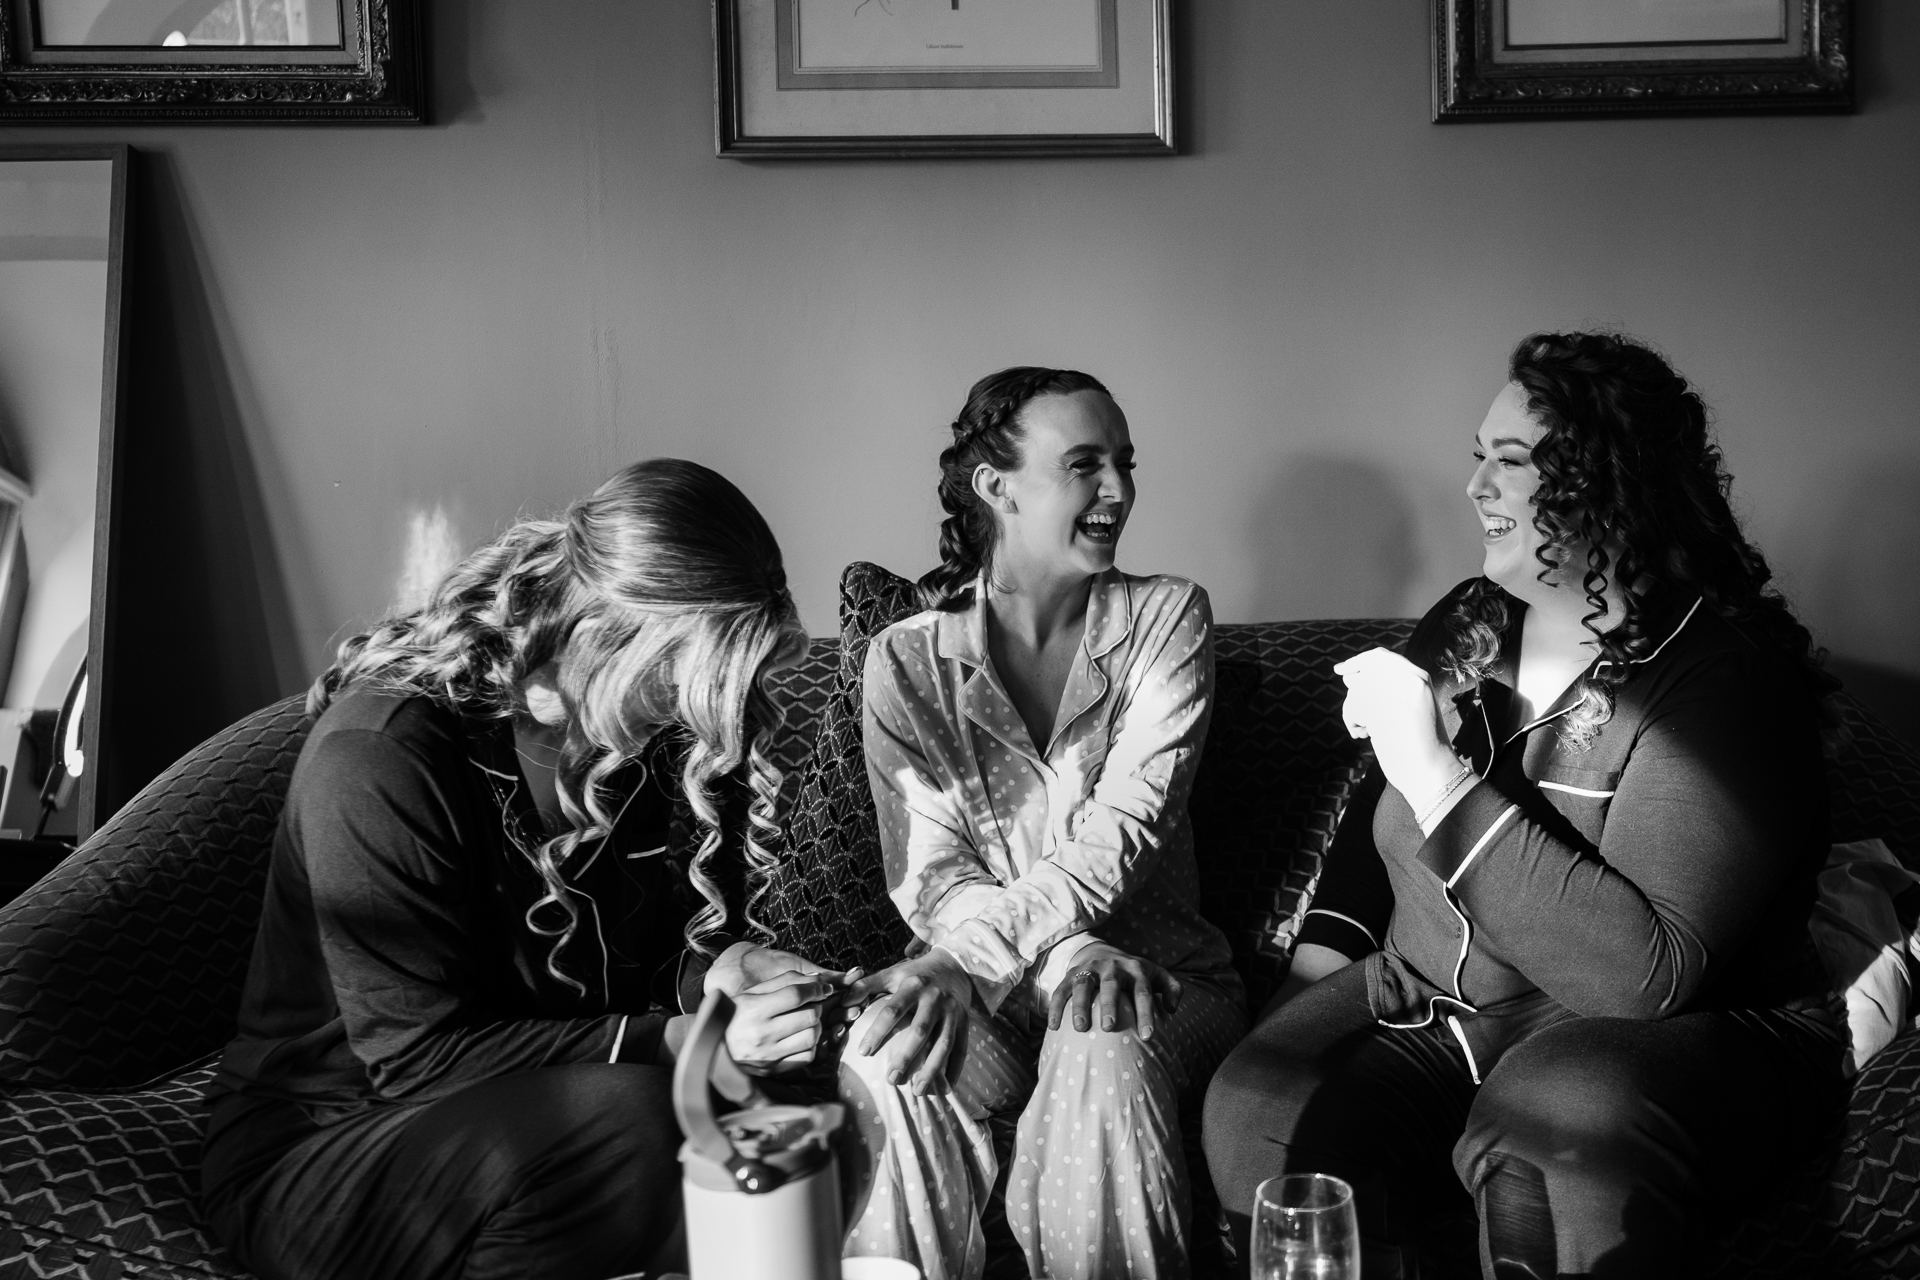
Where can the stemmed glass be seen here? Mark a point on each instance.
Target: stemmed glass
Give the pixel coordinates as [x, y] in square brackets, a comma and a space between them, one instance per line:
[1304, 1228]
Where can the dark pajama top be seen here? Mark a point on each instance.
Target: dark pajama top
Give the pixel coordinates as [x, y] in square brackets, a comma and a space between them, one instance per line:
[394, 961]
[1667, 867]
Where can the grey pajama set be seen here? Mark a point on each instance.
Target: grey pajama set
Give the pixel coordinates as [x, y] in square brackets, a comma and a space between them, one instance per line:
[1586, 1015]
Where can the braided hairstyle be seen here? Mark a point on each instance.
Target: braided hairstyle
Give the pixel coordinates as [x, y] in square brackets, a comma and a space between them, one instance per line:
[667, 588]
[1628, 469]
[987, 431]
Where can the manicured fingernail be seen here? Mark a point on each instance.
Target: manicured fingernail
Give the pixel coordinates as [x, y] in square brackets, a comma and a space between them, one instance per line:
[895, 1077]
[1106, 1024]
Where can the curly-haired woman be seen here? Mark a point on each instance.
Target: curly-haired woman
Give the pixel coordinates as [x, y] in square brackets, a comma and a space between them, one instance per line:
[1030, 740]
[1564, 980]
[455, 1043]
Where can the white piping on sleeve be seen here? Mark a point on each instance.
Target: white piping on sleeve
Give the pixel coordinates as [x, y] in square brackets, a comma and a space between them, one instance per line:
[620, 1038]
[1480, 844]
[1473, 1068]
[1322, 911]
[1573, 791]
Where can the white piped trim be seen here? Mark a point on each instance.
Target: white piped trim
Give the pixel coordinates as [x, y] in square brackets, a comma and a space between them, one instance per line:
[1322, 911]
[620, 1038]
[1607, 662]
[1433, 1008]
[1482, 843]
[1573, 791]
[1466, 941]
[1473, 1068]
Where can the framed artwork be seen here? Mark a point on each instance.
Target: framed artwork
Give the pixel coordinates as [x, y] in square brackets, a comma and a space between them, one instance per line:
[841, 78]
[134, 60]
[1508, 59]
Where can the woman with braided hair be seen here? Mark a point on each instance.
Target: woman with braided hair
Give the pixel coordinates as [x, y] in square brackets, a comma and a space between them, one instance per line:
[479, 943]
[1030, 741]
[1555, 1010]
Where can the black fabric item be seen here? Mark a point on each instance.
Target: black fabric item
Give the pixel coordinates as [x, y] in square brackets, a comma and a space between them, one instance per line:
[395, 959]
[414, 1091]
[567, 1173]
[1664, 867]
[1598, 1146]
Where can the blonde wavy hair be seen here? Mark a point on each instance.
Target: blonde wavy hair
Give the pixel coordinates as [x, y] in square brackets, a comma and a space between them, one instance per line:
[666, 589]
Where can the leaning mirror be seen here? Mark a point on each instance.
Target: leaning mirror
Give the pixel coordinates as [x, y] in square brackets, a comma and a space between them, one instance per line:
[62, 228]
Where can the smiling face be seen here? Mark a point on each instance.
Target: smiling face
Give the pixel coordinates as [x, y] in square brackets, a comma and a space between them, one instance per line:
[1502, 490]
[1063, 511]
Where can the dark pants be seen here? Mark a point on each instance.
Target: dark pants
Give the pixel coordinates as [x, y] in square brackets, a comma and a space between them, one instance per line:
[568, 1173]
[1594, 1147]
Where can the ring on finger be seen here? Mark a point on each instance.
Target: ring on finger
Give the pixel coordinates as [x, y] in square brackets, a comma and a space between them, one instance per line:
[1084, 975]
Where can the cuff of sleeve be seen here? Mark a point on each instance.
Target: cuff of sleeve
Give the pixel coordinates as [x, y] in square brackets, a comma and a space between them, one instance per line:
[1058, 963]
[1467, 832]
[963, 905]
[1325, 928]
[635, 1037]
[991, 991]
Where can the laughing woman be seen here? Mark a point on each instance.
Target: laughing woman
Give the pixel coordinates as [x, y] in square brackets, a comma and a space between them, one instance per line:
[1031, 740]
[1565, 984]
[455, 1045]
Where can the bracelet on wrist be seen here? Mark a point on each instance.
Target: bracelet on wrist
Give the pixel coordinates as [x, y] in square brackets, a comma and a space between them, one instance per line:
[1454, 783]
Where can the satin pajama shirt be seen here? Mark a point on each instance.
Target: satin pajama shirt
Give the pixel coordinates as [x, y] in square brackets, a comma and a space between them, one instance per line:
[1014, 856]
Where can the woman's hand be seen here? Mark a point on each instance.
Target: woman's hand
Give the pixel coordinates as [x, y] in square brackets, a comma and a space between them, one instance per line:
[921, 1017]
[1390, 702]
[1107, 976]
[745, 964]
[780, 1024]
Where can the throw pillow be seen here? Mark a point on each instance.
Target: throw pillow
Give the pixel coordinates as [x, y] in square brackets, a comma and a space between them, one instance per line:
[1863, 938]
[828, 901]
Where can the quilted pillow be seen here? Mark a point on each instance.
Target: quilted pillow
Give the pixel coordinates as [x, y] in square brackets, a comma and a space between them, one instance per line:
[828, 900]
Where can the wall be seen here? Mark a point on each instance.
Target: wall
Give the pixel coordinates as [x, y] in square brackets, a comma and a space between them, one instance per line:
[1304, 317]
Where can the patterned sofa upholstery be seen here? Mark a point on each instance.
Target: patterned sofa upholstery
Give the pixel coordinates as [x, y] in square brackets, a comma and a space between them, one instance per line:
[119, 972]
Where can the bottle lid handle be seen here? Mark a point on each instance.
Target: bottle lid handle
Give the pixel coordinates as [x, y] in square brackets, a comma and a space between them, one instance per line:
[704, 1062]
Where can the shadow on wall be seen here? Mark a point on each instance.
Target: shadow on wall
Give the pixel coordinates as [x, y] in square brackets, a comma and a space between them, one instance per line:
[1334, 538]
[202, 621]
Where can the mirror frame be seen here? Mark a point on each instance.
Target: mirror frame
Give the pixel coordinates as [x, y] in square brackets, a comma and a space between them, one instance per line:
[99, 706]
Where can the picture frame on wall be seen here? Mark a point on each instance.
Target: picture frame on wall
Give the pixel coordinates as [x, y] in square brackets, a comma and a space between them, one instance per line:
[331, 61]
[1539, 59]
[894, 78]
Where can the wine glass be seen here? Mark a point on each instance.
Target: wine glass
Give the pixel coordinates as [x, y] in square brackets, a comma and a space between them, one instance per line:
[1304, 1228]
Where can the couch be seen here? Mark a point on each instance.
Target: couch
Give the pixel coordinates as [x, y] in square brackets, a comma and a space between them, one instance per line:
[121, 970]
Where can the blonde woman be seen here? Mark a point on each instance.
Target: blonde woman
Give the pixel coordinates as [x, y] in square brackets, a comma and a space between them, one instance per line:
[1030, 741]
[455, 1044]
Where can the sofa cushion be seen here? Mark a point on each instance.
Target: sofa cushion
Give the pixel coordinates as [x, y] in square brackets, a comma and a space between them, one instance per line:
[1274, 780]
[828, 901]
[802, 691]
[128, 958]
[1873, 785]
[106, 1185]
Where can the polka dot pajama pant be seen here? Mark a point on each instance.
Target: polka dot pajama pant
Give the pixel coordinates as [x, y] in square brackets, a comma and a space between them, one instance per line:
[1098, 1186]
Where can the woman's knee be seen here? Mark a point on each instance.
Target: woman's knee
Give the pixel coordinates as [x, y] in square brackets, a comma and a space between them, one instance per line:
[1578, 1106]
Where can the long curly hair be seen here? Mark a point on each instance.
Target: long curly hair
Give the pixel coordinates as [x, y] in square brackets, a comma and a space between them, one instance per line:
[1630, 472]
[666, 589]
[988, 431]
